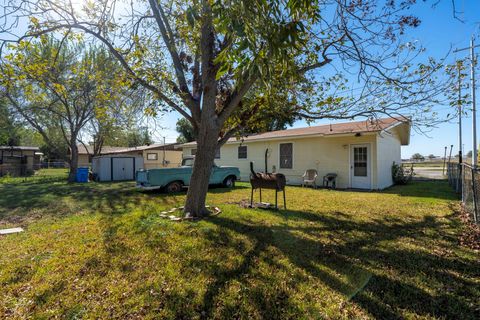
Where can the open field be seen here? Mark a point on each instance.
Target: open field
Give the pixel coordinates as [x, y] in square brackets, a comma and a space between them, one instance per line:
[100, 250]
[430, 164]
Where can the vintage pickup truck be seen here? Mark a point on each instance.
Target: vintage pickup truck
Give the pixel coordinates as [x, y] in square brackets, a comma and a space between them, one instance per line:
[174, 179]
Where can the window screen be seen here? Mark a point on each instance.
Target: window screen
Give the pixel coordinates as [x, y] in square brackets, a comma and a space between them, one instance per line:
[360, 161]
[286, 155]
[242, 152]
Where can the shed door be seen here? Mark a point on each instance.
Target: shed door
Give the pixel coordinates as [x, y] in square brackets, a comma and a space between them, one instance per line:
[360, 172]
[122, 169]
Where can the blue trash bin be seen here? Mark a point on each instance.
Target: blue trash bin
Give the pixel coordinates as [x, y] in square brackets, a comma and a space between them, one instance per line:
[82, 175]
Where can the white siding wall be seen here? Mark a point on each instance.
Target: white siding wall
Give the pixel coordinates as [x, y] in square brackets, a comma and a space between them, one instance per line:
[389, 148]
[325, 154]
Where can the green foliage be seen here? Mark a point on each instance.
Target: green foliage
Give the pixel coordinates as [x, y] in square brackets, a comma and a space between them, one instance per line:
[9, 129]
[62, 86]
[402, 175]
[185, 129]
[127, 137]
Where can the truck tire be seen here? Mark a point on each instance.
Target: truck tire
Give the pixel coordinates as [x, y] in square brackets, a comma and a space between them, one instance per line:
[174, 187]
[229, 182]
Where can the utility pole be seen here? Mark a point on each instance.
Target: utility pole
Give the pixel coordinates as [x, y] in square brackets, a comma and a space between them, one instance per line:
[474, 107]
[460, 144]
[450, 155]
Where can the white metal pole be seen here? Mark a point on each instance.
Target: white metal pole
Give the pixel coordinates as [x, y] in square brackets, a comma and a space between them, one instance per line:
[474, 110]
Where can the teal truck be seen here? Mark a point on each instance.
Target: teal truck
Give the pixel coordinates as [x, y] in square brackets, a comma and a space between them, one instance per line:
[174, 179]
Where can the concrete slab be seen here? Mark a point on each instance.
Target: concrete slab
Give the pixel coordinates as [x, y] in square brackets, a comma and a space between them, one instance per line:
[422, 173]
[11, 230]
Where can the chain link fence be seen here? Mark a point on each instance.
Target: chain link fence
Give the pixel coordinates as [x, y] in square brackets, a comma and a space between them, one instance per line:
[465, 179]
[14, 169]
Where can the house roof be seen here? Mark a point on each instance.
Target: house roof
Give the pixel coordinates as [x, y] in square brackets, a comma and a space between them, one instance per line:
[366, 126]
[88, 149]
[19, 148]
[116, 150]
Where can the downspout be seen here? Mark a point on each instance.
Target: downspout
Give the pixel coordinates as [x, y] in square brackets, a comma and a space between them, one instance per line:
[266, 160]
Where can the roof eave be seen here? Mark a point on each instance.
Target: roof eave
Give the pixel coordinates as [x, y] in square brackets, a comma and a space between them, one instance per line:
[405, 138]
[303, 136]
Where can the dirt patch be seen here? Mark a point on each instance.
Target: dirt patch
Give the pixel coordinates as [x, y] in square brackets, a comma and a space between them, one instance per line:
[245, 203]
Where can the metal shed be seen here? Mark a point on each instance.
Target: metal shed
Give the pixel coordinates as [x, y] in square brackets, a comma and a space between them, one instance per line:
[116, 167]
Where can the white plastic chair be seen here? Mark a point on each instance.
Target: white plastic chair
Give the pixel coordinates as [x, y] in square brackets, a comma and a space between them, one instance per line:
[309, 178]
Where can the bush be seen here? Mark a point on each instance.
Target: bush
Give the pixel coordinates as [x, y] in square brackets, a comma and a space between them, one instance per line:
[400, 174]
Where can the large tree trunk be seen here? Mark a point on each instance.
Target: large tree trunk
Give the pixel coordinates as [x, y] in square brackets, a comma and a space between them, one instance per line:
[202, 167]
[73, 161]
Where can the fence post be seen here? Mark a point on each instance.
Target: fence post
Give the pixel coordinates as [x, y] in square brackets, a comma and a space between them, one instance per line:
[474, 196]
[459, 178]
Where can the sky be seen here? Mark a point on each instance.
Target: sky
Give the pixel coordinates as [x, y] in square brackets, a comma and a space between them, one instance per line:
[439, 33]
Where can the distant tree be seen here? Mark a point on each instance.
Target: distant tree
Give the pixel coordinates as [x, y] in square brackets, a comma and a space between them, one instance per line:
[469, 154]
[130, 137]
[117, 125]
[9, 128]
[431, 156]
[185, 129]
[138, 137]
[418, 157]
[61, 84]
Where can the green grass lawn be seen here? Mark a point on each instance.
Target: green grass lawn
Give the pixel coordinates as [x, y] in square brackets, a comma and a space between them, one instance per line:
[101, 251]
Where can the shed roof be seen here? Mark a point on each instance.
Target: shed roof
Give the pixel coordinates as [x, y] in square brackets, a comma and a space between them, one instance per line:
[365, 126]
[116, 150]
[19, 148]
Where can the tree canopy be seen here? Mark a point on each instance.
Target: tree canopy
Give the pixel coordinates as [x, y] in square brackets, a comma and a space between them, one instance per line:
[61, 86]
[418, 157]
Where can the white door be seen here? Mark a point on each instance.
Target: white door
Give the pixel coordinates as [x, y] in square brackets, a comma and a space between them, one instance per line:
[117, 169]
[360, 172]
[129, 171]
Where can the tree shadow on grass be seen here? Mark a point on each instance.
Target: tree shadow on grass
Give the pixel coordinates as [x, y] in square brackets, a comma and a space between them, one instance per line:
[48, 197]
[444, 289]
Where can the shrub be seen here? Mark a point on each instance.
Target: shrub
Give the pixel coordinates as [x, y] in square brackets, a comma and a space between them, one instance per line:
[400, 174]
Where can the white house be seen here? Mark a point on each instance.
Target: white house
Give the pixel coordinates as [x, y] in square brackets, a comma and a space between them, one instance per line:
[361, 153]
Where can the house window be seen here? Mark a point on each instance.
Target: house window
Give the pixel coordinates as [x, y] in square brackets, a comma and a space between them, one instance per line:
[286, 155]
[152, 156]
[193, 152]
[242, 152]
[217, 154]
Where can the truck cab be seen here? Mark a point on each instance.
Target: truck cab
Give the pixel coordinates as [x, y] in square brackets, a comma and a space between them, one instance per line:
[175, 179]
